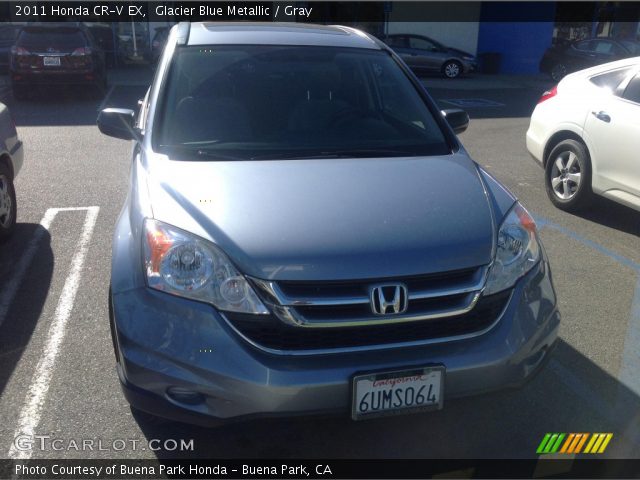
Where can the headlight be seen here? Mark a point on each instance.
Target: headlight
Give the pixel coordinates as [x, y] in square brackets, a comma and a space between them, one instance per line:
[518, 250]
[186, 265]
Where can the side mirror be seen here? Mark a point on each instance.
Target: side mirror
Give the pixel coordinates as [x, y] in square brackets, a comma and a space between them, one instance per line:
[458, 119]
[118, 123]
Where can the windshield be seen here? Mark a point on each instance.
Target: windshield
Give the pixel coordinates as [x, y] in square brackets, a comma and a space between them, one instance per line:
[261, 102]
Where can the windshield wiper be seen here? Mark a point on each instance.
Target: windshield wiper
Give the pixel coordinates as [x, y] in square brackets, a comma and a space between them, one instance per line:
[347, 153]
[199, 152]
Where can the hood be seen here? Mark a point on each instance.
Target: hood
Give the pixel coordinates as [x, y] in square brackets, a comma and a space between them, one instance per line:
[331, 219]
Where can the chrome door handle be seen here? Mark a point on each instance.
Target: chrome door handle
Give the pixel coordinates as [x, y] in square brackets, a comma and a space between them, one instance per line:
[602, 116]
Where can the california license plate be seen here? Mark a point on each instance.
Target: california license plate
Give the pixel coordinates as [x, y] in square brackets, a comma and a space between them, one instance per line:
[51, 61]
[396, 392]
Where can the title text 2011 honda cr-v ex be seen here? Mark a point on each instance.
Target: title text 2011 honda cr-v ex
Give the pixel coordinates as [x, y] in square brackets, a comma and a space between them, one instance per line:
[304, 233]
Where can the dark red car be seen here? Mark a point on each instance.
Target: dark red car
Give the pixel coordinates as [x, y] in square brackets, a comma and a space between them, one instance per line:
[49, 55]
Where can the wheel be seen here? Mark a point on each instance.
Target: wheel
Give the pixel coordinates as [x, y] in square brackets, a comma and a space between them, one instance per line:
[452, 69]
[558, 72]
[7, 203]
[568, 176]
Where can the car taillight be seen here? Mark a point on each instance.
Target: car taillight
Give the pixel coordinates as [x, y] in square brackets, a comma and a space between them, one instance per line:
[19, 51]
[81, 51]
[549, 94]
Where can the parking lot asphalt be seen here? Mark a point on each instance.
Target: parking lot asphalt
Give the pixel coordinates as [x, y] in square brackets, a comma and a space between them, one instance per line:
[57, 375]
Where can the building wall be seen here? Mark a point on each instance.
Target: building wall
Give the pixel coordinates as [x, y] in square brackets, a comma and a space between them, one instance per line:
[462, 35]
[521, 45]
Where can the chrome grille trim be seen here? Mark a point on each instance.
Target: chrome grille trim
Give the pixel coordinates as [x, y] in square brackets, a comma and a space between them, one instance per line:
[288, 308]
[373, 346]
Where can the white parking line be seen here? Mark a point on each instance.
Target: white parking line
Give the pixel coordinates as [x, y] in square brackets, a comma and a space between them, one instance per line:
[36, 395]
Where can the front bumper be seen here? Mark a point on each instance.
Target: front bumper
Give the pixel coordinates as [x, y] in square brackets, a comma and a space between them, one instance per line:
[164, 341]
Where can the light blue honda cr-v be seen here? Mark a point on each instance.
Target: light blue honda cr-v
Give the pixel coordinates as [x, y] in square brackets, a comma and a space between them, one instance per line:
[304, 233]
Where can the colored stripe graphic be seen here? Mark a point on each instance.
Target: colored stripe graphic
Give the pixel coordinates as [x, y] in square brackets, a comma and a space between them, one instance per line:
[598, 443]
[574, 442]
[543, 443]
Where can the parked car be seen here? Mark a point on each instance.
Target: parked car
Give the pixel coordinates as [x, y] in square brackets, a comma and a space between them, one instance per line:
[585, 132]
[105, 40]
[11, 157]
[8, 35]
[559, 60]
[55, 54]
[295, 239]
[424, 55]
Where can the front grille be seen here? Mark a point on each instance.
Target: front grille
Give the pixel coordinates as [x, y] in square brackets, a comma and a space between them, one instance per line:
[270, 332]
[339, 304]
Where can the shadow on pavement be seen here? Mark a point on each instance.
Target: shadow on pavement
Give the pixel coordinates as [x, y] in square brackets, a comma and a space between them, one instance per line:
[26, 307]
[571, 394]
[613, 215]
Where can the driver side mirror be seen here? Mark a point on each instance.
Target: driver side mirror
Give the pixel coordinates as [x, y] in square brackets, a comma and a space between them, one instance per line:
[457, 119]
[118, 123]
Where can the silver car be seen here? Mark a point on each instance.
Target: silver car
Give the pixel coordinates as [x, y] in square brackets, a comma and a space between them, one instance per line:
[11, 157]
[304, 233]
[425, 55]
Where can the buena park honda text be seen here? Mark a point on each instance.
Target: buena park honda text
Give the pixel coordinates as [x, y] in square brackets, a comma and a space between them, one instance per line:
[304, 233]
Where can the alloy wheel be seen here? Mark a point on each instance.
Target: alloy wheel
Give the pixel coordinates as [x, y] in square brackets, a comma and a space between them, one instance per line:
[566, 175]
[452, 70]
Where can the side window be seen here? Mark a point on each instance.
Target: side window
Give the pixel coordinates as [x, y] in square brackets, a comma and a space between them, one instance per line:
[612, 79]
[584, 46]
[421, 44]
[397, 42]
[603, 47]
[632, 92]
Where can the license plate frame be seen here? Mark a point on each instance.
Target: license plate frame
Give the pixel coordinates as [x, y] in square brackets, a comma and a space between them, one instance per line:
[51, 61]
[435, 374]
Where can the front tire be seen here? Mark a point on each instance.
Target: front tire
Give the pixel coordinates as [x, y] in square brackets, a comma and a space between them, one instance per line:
[452, 69]
[568, 176]
[7, 203]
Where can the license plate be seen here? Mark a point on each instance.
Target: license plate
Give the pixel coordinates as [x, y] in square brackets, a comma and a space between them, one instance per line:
[392, 393]
[51, 61]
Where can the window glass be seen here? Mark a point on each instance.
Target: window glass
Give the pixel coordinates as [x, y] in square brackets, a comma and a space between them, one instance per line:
[250, 101]
[61, 38]
[602, 47]
[421, 44]
[396, 41]
[632, 92]
[611, 80]
[632, 47]
[584, 45]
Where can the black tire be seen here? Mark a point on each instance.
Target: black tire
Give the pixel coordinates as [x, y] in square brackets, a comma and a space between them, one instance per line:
[558, 71]
[8, 218]
[568, 161]
[452, 69]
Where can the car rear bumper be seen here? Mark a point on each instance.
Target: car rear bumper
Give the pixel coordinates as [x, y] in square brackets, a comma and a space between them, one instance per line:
[54, 78]
[164, 341]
